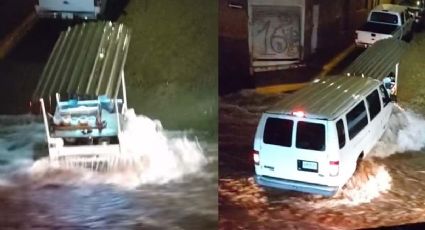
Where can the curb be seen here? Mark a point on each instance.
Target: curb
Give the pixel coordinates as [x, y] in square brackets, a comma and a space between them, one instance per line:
[274, 89]
[281, 88]
[336, 60]
[15, 36]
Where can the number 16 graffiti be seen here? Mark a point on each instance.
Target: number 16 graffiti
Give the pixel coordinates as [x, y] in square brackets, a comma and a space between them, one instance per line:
[278, 39]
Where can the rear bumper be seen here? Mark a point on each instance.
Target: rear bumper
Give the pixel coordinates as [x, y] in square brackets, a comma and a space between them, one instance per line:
[295, 185]
[362, 44]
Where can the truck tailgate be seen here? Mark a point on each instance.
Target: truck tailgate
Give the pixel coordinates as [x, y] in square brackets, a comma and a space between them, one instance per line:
[67, 5]
[368, 38]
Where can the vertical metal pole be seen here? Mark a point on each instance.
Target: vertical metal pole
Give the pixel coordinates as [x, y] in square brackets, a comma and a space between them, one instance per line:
[118, 123]
[46, 125]
[396, 78]
[57, 100]
[124, 91]
[50, 103]
[117, 115]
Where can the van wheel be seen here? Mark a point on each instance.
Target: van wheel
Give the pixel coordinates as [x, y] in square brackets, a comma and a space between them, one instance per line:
[418, 26]
[408, 36]
[359, 161]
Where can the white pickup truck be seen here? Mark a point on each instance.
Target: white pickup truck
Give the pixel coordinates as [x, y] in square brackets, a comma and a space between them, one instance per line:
[70, 9]
[385, 21]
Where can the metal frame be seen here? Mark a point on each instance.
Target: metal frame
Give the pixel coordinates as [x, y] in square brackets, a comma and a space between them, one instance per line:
[104, 75]
[84, 155]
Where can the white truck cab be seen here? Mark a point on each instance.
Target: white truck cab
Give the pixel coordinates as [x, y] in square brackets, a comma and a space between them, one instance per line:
[70, 9]
[312, 140]
[385, 21]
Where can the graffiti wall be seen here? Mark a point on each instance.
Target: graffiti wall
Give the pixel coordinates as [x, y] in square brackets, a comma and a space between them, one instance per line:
[275, 32]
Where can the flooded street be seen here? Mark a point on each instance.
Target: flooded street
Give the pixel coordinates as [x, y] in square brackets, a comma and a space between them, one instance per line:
[180, 195]
[175, 187]
[388, 188]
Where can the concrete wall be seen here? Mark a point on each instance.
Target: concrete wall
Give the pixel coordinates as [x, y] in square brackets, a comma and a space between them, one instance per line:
[337, 20]
[171, 69]
[233, 22]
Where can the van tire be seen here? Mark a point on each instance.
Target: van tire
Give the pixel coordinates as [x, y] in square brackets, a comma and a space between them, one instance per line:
[408, 37]
[418, 27]
[359, 161]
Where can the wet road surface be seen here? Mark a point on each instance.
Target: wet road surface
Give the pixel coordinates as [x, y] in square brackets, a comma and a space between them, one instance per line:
[179, 195]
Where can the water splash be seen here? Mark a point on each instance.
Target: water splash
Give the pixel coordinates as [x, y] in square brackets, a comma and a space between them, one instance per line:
[152, 155]
[370, 180]
[406, 132]
[164, 158]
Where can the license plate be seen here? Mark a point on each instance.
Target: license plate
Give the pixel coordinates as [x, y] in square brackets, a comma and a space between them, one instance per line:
[310, 166]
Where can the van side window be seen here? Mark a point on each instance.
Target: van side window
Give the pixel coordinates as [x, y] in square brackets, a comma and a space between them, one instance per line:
[278, 132]
[341, 133]
[373, 104]
[310, 136]
[356, 120]
[385, 98]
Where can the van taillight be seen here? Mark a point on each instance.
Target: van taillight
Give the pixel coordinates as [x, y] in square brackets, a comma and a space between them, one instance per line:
[333, 168]
[256, 157]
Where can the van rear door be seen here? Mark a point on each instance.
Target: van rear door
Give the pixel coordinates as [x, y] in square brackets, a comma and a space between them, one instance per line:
[294, 149]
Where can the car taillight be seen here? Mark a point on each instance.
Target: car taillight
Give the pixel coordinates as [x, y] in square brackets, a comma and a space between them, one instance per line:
[333, 168]
[256, 157]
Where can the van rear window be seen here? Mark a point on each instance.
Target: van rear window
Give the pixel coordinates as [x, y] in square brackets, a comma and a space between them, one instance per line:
[278, 132]
[310, 136]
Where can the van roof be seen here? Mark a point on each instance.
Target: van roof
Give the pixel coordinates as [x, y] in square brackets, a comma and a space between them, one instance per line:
[390, 8]
[87, 60]
[326, 98]
[379, 60]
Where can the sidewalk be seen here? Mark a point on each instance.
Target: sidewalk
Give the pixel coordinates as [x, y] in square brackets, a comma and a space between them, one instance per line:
[16, 17]
[12, 13]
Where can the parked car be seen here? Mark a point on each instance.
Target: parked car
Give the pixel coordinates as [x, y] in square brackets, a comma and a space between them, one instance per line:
[313, 140]
[385, 21]
[69, 9]
[417, 10]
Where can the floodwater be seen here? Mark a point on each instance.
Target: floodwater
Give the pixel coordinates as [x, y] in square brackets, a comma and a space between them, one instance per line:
[388, 188]
[175, 188]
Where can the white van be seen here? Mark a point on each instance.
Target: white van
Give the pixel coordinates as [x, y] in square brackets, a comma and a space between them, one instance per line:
[70, 9]
[312, 140]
